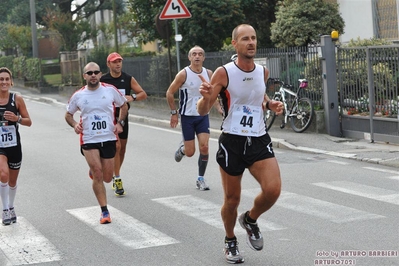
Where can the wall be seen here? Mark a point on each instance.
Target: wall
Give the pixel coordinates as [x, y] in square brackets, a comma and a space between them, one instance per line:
[48, 47]
[358, 18]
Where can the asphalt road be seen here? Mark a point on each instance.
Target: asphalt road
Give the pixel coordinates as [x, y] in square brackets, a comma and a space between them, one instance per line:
[331, 210]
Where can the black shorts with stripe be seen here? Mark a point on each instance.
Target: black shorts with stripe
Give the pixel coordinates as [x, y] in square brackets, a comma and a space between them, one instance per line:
[236, 153]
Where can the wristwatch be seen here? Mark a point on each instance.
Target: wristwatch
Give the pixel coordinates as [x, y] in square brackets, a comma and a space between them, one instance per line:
[173, 112]
[134, 96]
[122, 122]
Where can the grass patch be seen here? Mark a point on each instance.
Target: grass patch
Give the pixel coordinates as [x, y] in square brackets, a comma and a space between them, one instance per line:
[53, 79]
[50, 61]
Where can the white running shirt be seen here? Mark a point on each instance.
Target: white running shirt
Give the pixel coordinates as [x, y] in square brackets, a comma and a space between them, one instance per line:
[189, 92]
[244, 96]
[97, 109]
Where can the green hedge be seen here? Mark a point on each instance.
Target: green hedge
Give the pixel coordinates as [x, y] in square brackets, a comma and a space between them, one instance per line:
[27, 68]
[7, 61]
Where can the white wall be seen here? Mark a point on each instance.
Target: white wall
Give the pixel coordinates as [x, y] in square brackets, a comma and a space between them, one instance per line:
[358, 18]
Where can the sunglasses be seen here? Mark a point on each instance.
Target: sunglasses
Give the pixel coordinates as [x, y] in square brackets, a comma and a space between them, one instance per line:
[91, 72]
[4, 79]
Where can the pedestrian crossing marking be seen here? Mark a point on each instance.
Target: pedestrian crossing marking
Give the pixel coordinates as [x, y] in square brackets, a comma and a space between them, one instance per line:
[124, 229]
[22, 244]
[375, 193]
[322, 209]
[208, 212]
[396, 173]
[338, 162]
[382, 170]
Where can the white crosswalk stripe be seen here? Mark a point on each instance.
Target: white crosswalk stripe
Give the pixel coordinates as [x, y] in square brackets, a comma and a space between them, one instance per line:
[322, 209]
[124, 229]
[207, 212]
[22, 244]
[380, 194]
[396, 173]
[338, 162]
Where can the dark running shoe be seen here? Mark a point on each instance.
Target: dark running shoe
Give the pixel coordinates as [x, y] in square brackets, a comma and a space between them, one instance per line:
[119, 191]
[254, 237]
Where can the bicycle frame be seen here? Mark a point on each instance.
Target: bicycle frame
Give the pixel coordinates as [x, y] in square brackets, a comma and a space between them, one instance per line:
[299, 111]
[303, 83]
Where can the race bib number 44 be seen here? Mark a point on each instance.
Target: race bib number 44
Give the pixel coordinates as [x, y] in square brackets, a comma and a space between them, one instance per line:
[245, 120]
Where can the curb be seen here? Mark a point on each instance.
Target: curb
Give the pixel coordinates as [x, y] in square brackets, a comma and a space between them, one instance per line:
[277, 143]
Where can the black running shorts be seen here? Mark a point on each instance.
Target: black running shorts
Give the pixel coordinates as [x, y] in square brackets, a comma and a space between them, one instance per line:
[14, 156]
[125, 132]
[107, 149]
[239, 152]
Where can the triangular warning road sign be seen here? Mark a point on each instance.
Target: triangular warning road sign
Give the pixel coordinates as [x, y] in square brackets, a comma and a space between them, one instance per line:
[174, 9]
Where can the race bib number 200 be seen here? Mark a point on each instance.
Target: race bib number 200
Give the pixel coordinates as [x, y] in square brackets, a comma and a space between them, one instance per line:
[98, 125]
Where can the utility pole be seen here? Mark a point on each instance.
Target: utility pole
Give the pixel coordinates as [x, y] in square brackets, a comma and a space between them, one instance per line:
[115, 26]
[35, 52]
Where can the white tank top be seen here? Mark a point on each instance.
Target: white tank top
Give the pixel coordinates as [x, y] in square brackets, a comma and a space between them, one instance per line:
[189, 92]
[242, 99]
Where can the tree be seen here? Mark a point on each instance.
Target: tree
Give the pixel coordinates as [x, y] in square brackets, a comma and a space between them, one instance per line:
[66, 17]
[143, 13]
[300, 22]
[211, 23]
[69, 31]
[18, 38]
[260, 14]
[6, 6]
[72, 24]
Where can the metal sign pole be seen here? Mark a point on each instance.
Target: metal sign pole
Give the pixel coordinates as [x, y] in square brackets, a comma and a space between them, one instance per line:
[177, 39]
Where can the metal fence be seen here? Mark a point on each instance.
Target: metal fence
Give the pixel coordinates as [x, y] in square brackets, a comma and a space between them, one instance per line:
[367, 78]
[288, 64]
[368, 91]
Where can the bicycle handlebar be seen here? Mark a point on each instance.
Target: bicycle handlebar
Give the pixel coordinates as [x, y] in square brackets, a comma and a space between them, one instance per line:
[302, 83]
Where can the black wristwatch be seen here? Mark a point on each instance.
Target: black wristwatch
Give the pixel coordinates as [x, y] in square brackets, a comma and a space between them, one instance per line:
[173, 112]
[122, 122]
[134, 96]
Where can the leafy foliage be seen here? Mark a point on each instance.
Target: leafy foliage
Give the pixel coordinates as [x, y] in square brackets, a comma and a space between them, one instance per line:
[260, 14]
[7, 61]
[13, 36]
[70, 31]
[211, 23]
[367, 42]
[300, 22]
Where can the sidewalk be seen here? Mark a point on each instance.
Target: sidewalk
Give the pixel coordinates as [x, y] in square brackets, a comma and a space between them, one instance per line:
[153, 113]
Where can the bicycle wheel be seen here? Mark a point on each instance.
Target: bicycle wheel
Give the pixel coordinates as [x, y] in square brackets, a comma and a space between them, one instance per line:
[302, 115]
[269, 116]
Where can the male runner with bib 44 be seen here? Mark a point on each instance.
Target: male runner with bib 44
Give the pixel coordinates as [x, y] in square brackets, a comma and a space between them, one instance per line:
[244, 142]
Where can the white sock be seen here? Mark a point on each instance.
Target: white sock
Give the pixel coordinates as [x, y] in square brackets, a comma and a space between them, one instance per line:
[12, 192]
[4, 192]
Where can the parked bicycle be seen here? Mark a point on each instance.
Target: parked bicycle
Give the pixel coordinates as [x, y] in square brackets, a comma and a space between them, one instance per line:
[298, 110]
